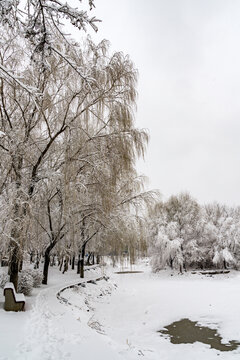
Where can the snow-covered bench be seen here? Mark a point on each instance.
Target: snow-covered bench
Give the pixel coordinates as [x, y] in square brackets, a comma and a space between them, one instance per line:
[13, 301]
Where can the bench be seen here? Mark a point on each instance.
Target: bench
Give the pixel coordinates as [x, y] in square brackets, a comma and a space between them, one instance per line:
[13, 301]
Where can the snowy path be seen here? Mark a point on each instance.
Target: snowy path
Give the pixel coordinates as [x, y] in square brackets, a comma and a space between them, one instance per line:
[54, 330]
[42, 339]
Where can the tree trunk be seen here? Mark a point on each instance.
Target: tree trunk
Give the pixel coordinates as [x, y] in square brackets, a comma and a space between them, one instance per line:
[88, 258]
[82, 261]
[20, 265]
[46, 266]
[36, 266]
[181, 269]
[16, 245]
[15, 249]
[82, 268]
[47, 262]
[65, 267]
[113, 261]
[73, 262]
[98, 259]
[61, 264]
[14, 266]
[185, 267]
[78, 264]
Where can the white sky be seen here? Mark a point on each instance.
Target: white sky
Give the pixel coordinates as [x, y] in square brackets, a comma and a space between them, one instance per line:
[188, 56]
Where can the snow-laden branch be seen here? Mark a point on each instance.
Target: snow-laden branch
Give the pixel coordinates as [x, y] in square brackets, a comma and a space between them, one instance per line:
[36, 24]
[8, 74]
[78, 18]
[73, 66]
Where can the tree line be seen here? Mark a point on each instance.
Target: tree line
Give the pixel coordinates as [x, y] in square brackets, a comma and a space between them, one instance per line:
[184, 235]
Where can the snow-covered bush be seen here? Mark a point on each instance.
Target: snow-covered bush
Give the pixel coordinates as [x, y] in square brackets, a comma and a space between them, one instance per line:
[25, 282]
[4, 278]
[223, 257]
[167, 252]
[37, 276]
[28, 279]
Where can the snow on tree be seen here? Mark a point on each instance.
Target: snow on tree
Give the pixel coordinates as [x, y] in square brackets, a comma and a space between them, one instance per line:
[38, 22]
[223, 232]
[204, 237]
[179, 220]
[64, 155]
[223, 257]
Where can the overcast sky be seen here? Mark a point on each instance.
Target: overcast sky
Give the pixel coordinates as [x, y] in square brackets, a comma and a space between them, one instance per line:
[188, 56]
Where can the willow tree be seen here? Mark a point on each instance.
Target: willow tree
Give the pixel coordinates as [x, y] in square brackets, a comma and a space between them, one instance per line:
[37, 22]
[77, 126]
[100, 154]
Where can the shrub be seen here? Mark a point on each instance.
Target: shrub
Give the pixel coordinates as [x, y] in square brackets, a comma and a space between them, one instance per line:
[27, 279]
[37, 276]
[4, 278]
[25, 282]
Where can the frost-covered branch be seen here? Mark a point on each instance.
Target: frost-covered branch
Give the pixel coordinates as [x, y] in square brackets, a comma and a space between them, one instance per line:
[9, 76]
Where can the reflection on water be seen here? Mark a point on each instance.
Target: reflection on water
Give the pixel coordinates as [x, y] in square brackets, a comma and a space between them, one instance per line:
[186, 331]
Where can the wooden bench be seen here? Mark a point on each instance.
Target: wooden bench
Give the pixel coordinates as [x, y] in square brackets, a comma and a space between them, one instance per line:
[13, 301]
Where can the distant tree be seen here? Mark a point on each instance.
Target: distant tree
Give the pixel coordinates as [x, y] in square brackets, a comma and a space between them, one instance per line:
[223, 234]
[177, 232]
[184, 234]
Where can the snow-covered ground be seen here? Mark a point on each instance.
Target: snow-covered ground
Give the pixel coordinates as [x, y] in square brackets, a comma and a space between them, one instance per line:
[119, 318]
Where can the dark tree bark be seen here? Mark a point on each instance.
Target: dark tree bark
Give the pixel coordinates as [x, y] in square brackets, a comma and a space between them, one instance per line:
[78, 264]
[73, 262]
[65, 267]
[47, 261]
[82, 261]
[17, 228]
[98, 259]
[36, 266]
[14, 267]
[20, 265]
[88, 258]
[46, 266]
[61, 264]
[185, 267]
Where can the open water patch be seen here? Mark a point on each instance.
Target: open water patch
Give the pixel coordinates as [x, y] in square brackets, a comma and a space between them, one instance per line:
[186, 331]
